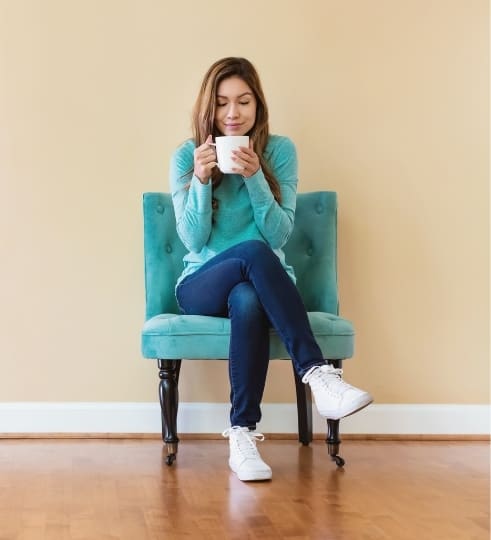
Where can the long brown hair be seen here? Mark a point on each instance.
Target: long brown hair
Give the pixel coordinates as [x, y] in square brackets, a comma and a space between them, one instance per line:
[205, 107]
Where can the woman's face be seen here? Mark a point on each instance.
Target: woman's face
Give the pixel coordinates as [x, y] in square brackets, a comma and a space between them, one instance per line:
[235, 107]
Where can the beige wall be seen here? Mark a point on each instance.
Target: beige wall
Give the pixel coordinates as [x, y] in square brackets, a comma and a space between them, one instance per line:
[387, 101]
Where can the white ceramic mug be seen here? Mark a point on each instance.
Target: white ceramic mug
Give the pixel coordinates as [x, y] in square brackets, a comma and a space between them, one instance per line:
[224, 146]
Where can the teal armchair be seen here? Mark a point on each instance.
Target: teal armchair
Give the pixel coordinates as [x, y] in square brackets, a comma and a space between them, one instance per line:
[169, 337]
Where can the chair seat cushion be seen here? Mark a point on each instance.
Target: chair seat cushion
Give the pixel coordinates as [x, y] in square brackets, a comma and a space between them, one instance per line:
[171, 336]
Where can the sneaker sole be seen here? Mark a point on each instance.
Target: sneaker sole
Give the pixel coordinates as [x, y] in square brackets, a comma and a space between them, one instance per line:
[338, 414]
[253, 476]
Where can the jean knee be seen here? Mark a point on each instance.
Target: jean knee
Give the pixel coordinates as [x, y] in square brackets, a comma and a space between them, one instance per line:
[257, 250]
[255, 245]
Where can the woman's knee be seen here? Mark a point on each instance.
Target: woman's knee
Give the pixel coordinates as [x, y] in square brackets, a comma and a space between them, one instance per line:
[256, 249]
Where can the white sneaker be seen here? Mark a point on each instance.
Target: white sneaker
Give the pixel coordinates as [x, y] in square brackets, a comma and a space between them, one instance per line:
[334, 398]
[245, 460]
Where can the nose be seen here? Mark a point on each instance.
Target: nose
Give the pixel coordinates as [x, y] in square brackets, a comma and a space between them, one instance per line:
[233, 111]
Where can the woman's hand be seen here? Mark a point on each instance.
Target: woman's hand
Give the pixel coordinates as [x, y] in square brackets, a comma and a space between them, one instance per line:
[205, 160]
[247, 160]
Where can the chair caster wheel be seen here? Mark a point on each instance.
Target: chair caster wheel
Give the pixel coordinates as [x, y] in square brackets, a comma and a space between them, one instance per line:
[339, 460]
[170, 450]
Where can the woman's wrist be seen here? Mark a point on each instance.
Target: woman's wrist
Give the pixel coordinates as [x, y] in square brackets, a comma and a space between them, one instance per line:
[251, 175]
[204, 182]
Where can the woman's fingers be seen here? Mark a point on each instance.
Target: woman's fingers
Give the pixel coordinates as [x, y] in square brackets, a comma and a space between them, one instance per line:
[205, 153]
[247, 161]
[204, 160]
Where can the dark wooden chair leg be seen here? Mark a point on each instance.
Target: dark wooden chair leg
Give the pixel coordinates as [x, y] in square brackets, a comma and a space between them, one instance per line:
[169, 401]
[304, 410]
[333, 440]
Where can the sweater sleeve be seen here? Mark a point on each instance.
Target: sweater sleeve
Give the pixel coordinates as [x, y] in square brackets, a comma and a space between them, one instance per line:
[275, 221]
[191, 200]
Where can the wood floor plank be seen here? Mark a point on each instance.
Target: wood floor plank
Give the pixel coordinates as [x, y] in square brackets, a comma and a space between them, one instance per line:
[122, 490]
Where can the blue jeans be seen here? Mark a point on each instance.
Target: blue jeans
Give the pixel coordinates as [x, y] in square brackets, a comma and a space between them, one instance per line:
[248, 284]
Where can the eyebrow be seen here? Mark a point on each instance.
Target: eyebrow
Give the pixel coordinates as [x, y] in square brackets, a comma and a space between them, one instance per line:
[241, 95]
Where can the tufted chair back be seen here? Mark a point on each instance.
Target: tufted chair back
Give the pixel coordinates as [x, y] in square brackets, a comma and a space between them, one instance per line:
[311, 250]
[164, 252]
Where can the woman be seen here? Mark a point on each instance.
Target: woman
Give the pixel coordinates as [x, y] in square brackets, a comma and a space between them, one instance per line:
[234, 227]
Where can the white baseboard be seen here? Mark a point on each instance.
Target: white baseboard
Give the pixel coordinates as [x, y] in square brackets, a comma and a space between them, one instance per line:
[385, 419]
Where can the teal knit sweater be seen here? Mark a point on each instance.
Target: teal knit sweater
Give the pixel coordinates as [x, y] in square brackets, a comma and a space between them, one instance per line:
[246, 209]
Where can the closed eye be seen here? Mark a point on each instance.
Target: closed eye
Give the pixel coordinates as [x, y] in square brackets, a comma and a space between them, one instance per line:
[240, 103]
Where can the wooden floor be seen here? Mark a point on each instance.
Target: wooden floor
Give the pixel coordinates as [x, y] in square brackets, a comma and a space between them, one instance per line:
[122, 490]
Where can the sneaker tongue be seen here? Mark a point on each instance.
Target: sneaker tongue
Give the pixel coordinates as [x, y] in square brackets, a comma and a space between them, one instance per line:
[331, 370]
[248, 450]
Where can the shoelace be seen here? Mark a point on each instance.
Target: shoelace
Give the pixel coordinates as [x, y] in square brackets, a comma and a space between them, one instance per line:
[325, 376]
[245, 440]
